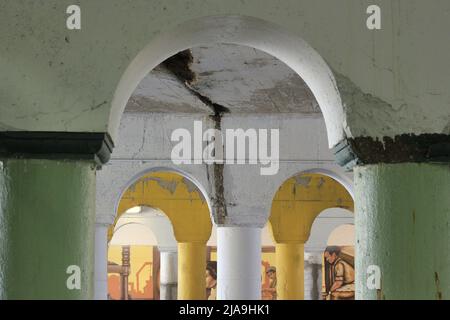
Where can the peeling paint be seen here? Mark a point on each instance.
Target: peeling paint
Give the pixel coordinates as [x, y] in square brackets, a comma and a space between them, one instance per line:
[170, 185]
[302, 180]
[321, 183]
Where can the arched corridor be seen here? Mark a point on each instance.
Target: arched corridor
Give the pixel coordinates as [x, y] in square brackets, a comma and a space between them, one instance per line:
[283, 150]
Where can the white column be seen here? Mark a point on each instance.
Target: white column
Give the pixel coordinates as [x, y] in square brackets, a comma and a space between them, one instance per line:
[313, 275]
[238, 263]
[101, 258]
[168, 276]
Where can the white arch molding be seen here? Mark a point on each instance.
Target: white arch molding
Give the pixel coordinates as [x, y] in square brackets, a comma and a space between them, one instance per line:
[240, 30]
[343, 235]
[324, 225]
[148, 227]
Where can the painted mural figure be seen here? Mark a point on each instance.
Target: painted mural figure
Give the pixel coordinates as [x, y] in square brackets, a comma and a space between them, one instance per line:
[272, 290]
[211, 280]
[340, 275]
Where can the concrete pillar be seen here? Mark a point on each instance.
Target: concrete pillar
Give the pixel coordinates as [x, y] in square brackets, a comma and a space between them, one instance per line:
[47, 212]
[403, 228]
[168, 276]
[290, 274]
[313, 276]
[191, 270]
[101, 258]
[238, 263]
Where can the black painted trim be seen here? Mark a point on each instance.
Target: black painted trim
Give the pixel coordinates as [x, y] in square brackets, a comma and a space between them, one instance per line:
[56, 145]
[431, 148]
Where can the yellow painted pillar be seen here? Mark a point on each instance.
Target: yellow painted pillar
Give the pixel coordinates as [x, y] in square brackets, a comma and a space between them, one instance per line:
[290, 275]
[191, 270]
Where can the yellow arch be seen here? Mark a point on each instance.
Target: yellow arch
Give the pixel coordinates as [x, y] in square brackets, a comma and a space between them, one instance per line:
[177, 197]
[295, 206]
[188, 212]
[300, 200]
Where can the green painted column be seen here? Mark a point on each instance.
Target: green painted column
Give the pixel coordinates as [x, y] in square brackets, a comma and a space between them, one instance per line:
[47, 213]
[402, 226]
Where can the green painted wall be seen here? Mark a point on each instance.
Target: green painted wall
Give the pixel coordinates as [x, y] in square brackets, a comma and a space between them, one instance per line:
[61, 80]
[403, 226]
[47, 211]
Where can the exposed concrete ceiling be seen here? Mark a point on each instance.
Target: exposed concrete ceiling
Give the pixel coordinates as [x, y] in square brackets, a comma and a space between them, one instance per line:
[235, 79]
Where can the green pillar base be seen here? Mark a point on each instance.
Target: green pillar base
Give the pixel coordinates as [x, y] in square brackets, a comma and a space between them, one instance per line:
[402, 226]
[47, 213]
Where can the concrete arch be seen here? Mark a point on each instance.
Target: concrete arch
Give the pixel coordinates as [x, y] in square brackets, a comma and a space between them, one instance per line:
[131, 224]
[154, 221]
[177, 197]
[142, 173]
[324, 224]
[343, 180]
[240, 30]
[293, 213]
[334, 233]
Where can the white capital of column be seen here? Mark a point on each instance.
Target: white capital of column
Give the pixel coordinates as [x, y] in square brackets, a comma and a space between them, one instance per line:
[238, 263]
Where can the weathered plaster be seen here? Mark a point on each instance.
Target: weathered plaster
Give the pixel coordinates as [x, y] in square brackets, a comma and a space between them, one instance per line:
[45, 227]
[402, 226]
[391, 81]
[147, 140]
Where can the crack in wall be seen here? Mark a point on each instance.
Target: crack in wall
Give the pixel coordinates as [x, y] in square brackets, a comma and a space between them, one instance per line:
[219, 201]
[180, 66]
[144, 134]
[438, 286]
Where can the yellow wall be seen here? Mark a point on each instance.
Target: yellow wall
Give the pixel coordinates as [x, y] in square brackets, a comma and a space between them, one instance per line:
[138, 256]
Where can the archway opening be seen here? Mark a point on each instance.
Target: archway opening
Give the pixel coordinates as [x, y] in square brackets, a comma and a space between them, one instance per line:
[296, 207]
[134, 255]
[212, 76]
[171, 207]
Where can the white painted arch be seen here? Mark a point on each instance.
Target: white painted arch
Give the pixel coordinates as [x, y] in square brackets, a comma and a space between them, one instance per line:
[149, 226]
[343, 235]
[324, 225]
[240, 30]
